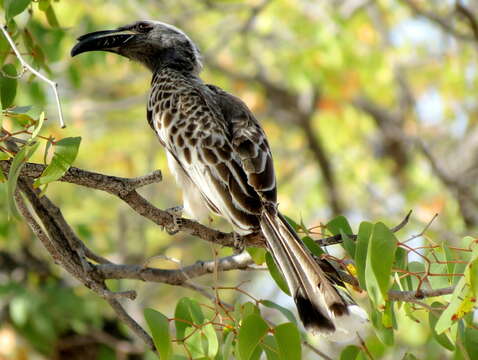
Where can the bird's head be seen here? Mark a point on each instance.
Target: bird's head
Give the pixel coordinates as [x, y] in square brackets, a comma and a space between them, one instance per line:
[152, 43]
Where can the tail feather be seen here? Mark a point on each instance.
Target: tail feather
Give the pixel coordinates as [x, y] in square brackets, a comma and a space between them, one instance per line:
[318, 301]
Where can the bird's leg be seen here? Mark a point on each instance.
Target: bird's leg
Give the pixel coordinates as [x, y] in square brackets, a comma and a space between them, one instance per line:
[176, 212]
[239, 243]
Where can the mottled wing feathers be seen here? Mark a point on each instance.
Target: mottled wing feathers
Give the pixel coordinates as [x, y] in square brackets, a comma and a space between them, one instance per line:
[249, 143]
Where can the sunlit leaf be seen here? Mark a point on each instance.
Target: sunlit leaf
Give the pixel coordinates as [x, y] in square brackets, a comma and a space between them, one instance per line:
[38, 127]
[51, 17]
[249, 308]
[312, 246]
[385, 334]
[269, 345]
[350, 352]
[348, 244]
[190, 312]
[361, 250]
[65, 154]
[253, 329]
[288, 341]
[14, 7]
[17, 163]
[258, 255]
[212, 341]
[380, 257]
[340, 223]
[276, 274]
[159, 326]
[227, 347]
[442, 339]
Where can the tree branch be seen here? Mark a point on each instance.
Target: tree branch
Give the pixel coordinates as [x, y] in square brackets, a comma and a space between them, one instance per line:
[125, 189]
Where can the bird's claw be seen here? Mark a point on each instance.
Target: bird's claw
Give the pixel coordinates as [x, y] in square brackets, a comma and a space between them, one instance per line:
[239, 243]
[176, 212]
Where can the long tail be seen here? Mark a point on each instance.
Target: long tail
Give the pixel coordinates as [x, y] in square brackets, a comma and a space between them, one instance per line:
[318, 300]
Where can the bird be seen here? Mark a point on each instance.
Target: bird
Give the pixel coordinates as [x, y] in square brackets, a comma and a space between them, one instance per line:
[221, 159]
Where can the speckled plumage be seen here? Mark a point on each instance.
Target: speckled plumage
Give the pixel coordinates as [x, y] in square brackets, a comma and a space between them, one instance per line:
[215, 148]
[220, 157]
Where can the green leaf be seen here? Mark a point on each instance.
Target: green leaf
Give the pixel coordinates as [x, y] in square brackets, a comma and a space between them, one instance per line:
[194, 343]
[227, 346]
[286, 312]
[20, 307]
[17, 163]
[253, 329]
[470, 342]
[249, 308]
[43, 4]
[312, 246]
[258, 255]
[288, 341]
[340, 223]
[159, 326]
[442, 339]
[348, 244]
[8, 85]
[15, 7]
[365, 229]
[292, 223]
[51, 17]
[23, 120]
[269, 345]
[276, 274]
[65, 154]
[37, 129]
[212, 341]
[380, 257]
[188, 310]
[385, 334]
[462, 300]
[350, 353]
[4, 155]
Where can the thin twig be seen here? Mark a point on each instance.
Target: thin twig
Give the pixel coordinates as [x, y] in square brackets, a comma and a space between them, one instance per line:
[53, 84]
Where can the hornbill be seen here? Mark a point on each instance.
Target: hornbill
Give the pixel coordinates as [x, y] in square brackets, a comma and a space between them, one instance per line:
[220, 157]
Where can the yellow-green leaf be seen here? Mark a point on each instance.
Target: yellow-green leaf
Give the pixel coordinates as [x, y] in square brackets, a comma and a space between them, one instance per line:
[276, 274]
[288, 341]
[159, 326]
[253, 329]
[65, 154]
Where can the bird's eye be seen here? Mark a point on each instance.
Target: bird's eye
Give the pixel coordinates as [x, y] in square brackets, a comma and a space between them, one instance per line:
[144, 27]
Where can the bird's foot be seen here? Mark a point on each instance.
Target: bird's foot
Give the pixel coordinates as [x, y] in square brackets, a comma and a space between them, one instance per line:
[176, 212]
[239, 243]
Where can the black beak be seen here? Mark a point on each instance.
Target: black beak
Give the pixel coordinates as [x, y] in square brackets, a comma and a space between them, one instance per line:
[106, 40]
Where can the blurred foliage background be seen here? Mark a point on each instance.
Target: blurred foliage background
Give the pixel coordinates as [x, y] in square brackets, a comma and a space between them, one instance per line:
[370, 108]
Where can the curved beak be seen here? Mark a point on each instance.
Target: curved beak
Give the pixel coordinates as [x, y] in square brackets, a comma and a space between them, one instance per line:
[106, 40]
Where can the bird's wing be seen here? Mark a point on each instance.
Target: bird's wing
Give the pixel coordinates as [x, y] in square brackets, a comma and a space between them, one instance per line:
[219, 159]
[249, 143]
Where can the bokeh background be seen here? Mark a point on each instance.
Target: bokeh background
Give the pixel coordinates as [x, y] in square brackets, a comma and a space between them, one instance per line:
[370, 108]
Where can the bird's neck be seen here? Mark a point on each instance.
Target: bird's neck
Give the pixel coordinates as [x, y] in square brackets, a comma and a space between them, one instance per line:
[173, 59]
[168, 74]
